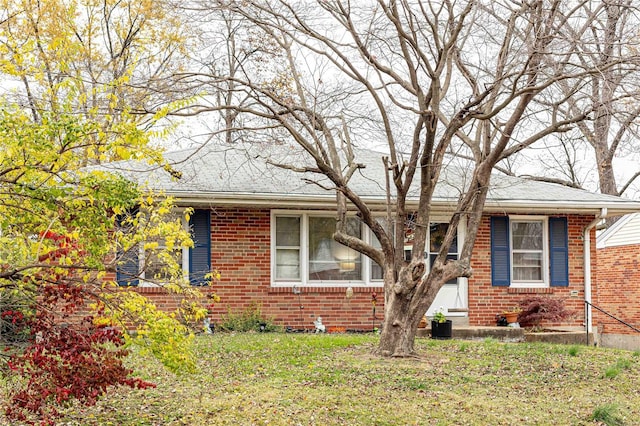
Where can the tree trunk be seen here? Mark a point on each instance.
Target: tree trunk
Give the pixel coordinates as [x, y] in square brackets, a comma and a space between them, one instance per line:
[399, 327]
[403, 311]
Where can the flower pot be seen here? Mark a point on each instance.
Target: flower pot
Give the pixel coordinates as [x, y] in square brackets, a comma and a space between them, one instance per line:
[441, 330]
[511, 316]
[423, 323]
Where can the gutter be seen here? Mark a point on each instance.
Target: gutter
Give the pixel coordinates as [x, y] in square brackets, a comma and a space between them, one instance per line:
[288, 200]
[587, 267]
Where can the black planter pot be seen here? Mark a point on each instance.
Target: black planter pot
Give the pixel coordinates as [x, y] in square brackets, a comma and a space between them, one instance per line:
[441, 330]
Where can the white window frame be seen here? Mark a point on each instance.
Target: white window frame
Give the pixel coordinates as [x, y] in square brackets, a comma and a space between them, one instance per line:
[367, 236]
[304, 254]
[544, 283]
[275, 247]
[427, 249]
[459, 242]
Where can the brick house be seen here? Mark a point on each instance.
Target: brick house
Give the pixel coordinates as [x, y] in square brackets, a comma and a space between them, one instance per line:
[618, 287]
[267, 230]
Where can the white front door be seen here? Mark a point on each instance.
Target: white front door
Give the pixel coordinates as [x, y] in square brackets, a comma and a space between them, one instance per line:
[451, 299]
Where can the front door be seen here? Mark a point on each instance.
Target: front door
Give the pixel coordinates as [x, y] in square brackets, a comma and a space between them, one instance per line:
[452, 297]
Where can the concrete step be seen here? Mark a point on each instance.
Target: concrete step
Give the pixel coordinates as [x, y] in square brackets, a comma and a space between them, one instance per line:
[459, 321]
[568, 336]
[505, 334]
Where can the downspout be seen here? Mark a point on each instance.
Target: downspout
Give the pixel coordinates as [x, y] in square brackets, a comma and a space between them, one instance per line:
[586, 238]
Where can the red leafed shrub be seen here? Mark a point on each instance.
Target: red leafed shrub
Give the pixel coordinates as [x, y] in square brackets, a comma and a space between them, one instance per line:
[65, 361]
[539, 308]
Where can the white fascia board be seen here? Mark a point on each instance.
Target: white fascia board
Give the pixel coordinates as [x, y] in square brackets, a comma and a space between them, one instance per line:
[328, 201]
[563, 207]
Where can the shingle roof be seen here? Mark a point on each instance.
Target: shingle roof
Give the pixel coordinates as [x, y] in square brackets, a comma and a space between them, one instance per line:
[243, 174]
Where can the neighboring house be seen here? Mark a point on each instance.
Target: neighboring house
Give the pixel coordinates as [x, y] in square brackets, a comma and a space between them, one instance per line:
[618, 283]
[267, 230]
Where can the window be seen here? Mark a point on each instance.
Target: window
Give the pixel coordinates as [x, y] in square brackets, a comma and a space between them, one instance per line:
[529, 251]
[376, 270]
[138, 263]
[304, 251]
[435, 238]
[437, 232]
[287, 248]
[154, 260]
[328, 259]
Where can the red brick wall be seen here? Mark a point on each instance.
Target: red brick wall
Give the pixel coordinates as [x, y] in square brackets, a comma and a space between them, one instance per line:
[240, 250]
[618, 289]
[485, 300]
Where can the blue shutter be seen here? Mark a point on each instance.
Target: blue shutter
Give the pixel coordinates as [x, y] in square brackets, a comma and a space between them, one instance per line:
[500, 253]
[558, 252]
[200, 254]
[128, 268]
[127, 272]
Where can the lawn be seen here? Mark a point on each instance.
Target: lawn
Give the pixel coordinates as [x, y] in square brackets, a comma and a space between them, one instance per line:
[304, 379]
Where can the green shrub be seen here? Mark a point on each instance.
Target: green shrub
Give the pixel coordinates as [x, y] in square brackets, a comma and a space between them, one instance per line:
[250, 319]
[573, 350]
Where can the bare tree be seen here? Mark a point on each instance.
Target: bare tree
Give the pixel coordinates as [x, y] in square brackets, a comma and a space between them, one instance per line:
[422, 78]
[607, 29]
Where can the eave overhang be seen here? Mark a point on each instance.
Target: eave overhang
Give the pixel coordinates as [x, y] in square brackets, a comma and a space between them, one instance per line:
[377, 203]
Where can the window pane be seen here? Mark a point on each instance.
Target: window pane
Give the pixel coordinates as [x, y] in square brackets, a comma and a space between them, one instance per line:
[155, 265]
[287, 248]
[437, 232]
[526, 235]
[527, 266]
[288, 231]
[432, 258]
[329, 260]
[287, 264]
[376, 270]
[156, 260]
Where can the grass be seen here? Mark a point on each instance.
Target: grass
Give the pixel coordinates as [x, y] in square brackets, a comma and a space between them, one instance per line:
[607, 414]
[304, 379]
[614, 370]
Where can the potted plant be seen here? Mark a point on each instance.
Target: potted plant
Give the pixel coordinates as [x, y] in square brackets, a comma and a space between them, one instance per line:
[423, 322]
[441, 327]
[511, 315]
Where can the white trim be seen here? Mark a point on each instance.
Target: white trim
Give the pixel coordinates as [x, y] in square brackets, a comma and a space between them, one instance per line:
[623, 232]
[276, 200]
[545, 251]
[304, 280]
[586, 266]
[366, 234]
